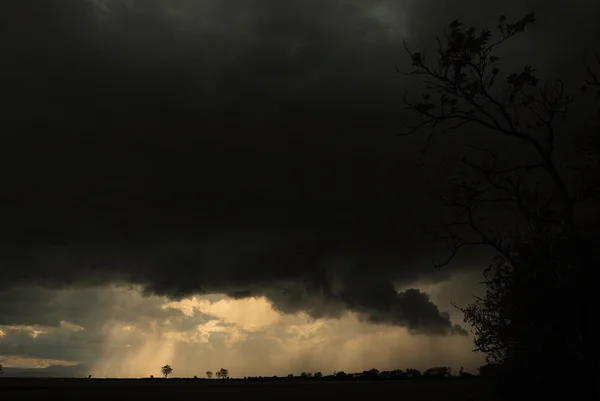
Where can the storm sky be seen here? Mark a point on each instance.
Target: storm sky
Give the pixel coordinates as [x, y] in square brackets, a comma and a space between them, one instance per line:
[220, 183]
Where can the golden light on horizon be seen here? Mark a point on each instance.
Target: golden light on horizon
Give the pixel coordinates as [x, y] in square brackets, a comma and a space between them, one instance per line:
[137, 334]
[249, 337]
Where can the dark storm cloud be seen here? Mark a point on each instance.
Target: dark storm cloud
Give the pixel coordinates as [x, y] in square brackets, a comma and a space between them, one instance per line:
[239, 146]
[89, 307]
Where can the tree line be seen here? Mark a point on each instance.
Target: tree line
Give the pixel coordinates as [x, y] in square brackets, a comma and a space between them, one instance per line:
[371, 374]
[220, 374]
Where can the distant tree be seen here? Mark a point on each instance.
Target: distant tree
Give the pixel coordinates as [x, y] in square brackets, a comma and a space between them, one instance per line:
[306, 375]
[209, 374]
[166, 370]
[152, 376]
[1, 369]
[395, 374]
[222, 373]
[318, 375]
[437, 372]
[290, 376]
[370, 374]
[341, 375]
[412, 373]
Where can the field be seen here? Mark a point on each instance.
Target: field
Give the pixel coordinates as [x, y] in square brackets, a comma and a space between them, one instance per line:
[185, 389]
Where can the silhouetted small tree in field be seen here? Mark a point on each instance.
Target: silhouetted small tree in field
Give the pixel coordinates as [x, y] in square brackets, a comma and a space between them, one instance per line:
[318, 375]
[222, 373]
[166, 370]
[209, 374]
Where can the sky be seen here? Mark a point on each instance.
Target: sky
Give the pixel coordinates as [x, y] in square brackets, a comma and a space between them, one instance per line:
[221, 184]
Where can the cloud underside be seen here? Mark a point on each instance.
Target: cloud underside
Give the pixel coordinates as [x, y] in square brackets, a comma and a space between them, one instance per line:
[315, 284]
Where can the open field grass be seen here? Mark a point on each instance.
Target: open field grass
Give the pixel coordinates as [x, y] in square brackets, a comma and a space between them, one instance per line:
[187, 389]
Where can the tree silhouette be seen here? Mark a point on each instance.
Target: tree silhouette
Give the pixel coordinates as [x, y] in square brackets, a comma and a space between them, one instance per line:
[437, 372]
[540, 267]
[166, 370]
[222, 373]
[209, 374]
[371, 374]
[441, 372]
[412, 373]
[1, 369]
[588, 144]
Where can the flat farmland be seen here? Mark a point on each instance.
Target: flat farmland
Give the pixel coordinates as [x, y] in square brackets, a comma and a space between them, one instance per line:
[185, 389]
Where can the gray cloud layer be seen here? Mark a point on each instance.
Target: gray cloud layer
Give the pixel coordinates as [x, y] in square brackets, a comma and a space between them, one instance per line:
[240, 146]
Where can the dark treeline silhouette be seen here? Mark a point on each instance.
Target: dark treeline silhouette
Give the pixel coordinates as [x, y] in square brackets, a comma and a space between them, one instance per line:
[373, 374]
[519, 195]
[436, 372]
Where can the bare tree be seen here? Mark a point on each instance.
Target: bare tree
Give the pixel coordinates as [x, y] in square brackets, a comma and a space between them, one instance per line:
[166, 370]
[209, 374]
[541, 254]
[593, 79]
[462, 88]
[588, 145]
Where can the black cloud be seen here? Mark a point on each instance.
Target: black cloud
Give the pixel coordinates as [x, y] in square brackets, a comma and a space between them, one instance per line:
[193, 147]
